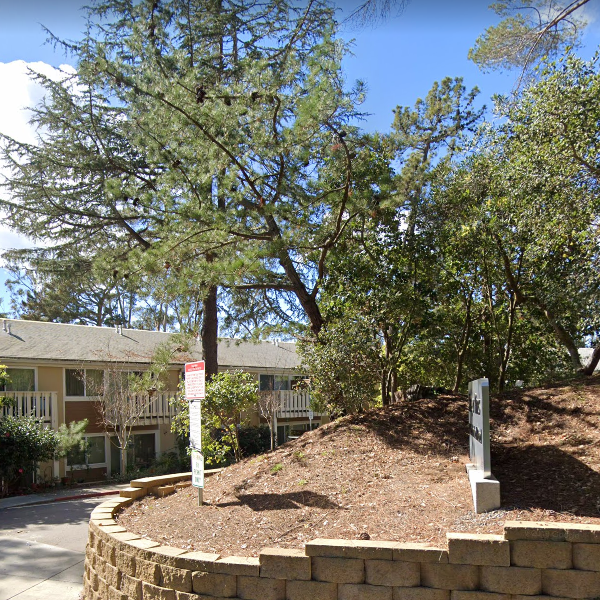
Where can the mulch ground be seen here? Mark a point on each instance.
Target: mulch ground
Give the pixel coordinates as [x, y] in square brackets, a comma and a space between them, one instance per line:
[395, 474]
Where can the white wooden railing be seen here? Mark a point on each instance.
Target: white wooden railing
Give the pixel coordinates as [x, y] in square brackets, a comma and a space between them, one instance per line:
[156, 409]
[292, 404]
[41, 405]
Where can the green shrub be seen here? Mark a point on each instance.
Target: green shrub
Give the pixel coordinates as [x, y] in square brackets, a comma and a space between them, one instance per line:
[24, 441]
[254, 439]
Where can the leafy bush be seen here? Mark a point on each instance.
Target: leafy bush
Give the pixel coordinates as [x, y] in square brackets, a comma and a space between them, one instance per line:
[343, 366]
[254, 440]
[23, 442]
[227, 395]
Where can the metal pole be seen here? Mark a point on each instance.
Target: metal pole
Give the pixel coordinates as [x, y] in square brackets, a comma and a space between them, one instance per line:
[200, 496]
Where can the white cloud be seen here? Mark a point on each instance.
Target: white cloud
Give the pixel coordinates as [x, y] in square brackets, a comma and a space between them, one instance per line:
[20, 94]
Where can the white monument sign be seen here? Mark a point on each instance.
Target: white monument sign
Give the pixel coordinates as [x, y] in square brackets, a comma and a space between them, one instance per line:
[484, 486]
[479, 426]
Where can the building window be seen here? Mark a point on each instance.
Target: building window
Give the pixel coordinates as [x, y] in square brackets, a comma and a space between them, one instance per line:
[142, 450]
[95, 453]
[274, 382]
[83, 382]
[21, 380]
[292, 431]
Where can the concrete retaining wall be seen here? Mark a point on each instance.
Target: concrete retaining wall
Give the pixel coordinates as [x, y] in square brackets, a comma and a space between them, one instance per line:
[531, 561]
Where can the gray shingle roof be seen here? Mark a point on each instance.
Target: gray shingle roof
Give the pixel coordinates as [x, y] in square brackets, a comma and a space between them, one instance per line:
[35, 340]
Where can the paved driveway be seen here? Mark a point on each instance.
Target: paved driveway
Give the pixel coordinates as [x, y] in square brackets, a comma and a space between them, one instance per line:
[42, 549]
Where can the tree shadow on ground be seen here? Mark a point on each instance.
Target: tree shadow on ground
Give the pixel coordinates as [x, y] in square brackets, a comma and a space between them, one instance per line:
[546, 477]
[291, 500]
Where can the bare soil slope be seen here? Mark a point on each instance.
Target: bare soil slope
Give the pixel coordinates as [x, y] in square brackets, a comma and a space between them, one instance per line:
[395, 474]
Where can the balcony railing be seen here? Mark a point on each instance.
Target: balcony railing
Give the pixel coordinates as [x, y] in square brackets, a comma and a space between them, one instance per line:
[292, 404]
[41, 405]
[156, 409]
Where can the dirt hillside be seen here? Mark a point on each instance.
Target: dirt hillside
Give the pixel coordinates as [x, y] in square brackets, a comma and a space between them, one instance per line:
[395, 474]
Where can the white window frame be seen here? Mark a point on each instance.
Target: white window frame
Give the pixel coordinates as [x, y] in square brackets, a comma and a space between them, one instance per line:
[30, 367]
[87, 465]
[84, 369]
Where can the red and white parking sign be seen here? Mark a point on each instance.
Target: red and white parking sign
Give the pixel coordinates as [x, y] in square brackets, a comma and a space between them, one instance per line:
[194, 380]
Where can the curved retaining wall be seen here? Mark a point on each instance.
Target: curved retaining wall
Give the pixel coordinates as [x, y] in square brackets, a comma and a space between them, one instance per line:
[531, 561]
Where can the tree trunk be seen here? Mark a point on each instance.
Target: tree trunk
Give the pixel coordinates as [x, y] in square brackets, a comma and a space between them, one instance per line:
[506, 352]
[463, 345]
[384, 392]
[593, 362]
[210, 332]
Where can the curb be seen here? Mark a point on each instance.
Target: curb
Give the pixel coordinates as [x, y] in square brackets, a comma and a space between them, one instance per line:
[65, 499]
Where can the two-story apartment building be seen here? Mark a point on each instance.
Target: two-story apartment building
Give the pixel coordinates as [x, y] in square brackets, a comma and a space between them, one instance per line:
[56, 370]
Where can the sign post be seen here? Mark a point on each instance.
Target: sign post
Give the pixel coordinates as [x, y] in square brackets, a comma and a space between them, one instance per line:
[194, 394]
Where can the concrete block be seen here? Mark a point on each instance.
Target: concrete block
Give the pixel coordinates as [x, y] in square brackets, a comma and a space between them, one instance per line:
[103, 522]
[109, 553]
[94, 579]
[461, 595]
[420, 593]
[236, 565]
[148, 482]
[313, 590]
[147, 571]
[116, 594]
[132, 587]
[414, 552]
[581, 533]
[338, 570]
[478, 549]
[162, 491]
[538, 597]
[349, 591]
[114, 529]
[449, 577]
[120, 539]
[572, 584]
[137, 547]
[541, 555]
[155, 592]
[370, 549]
[133, 492]
[176, 579]
[392, 573]
[102, 588]
[112, 576]
[182, 485]
[511, 580]
[194, 561]
[260, 588]
[553, 532]
[485, 492]
[281, 563]
[167, 555]
[586, 557]
[125, 563]
[214, 584]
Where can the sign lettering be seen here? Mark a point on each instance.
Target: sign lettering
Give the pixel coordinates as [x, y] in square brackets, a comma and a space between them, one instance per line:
[194, 380]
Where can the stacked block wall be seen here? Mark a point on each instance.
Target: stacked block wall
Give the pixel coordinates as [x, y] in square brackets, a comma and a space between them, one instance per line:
[531, 561]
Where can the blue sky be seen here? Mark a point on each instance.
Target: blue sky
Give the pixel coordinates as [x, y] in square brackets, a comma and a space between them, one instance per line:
[399, 60]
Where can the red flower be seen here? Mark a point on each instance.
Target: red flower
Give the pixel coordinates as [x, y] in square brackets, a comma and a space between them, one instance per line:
[20, 470]
[7, 434]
